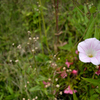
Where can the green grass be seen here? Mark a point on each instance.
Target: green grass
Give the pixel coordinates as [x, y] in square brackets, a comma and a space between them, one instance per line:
[29, 55]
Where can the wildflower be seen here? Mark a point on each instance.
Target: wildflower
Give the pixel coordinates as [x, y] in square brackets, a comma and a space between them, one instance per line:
[57, 85]
[69, 90]
[60, 92]
[13, 44]
[25, 86]
[27, 82]
[10, 60]
[49, 61]
[49, 79]
[47, 84]
[23, 98]
[30, 38]
[64, 68]
[98, 71]
[29, 32]
[36, 97]
[19, 46]
[97, 67]
[37, 38]
[63, 74]
[16, 60]
[39, 5]
[89, 51]
[58, 58]
[33, 50]
[75, 72]
[68, 70]
[76, 51]
[56, 79]
[55, 98]
[68, 63]
[36, 48]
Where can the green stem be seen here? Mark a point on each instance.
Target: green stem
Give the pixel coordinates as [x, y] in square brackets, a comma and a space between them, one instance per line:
[41, 35]
[44, 25]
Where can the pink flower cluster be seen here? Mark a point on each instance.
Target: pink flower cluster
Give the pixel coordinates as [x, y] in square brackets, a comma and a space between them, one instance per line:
[75, 72]
[98, 71]
[68, 63]
[69, 90]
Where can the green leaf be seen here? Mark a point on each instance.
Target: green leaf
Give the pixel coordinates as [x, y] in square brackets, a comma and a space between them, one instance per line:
[74, 96]
[90, 27]
[96, 34]
[92, 81]
[93, 9]
[36, 88]
[1, 96]
[97, 90]
[67, 46]
[10, 89]
[94, 97]
[41, 78]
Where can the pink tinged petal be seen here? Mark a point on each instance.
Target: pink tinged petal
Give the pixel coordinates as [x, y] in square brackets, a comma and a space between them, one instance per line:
[44, 82]
[75, 72]
[70, 92]
[95, 43]
[98, 72]
[84, 58]
[66, 92]
[97, 47]
[95, 61]
[63, 74]
[82, 47]
[92, 42]
[68, 64]
[76, 52]
[75, 91]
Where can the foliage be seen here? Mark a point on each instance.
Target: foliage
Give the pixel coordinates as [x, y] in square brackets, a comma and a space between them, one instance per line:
[30, 66]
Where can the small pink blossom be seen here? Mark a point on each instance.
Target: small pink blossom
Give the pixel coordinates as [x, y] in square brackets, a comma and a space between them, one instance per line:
[75, 72]
[63, 74]
[69, 90]
[68, 63]
[89, 51]
[76, 52]
[98, 72]
[46, 83]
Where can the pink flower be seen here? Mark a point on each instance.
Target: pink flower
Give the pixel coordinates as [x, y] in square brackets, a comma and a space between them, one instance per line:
[75, 72]
[69, 91]
[76, 52]
[98, 72]
[63, 74]
[68, 63]
[89, 51]
[47, 84]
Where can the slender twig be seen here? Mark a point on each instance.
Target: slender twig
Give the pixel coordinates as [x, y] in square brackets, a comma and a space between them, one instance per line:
[56, 5]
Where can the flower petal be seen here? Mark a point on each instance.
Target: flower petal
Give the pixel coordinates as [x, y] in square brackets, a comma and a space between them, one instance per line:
[84, 58]
[82, 47]
[95, 61]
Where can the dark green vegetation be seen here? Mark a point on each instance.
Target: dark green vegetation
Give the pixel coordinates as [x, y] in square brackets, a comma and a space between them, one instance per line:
[36, 38]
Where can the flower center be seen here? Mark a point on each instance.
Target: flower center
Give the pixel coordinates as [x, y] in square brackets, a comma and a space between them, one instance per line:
[90, 55]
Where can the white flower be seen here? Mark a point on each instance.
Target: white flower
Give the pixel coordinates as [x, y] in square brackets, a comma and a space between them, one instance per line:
[89, 51]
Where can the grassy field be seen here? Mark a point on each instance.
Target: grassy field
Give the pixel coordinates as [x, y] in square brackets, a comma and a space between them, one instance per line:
[38, 49]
